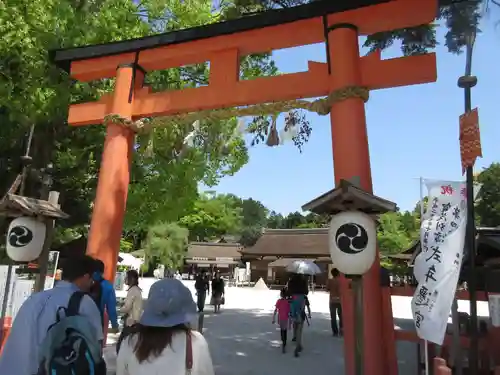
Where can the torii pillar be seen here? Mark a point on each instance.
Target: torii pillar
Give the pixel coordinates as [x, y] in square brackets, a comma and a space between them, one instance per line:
[352, 159]
[114, 174]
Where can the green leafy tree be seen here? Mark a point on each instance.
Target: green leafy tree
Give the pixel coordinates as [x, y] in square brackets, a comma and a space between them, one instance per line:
[488, 200]
[250, 235]
[254, 213]
[275, 220]
[393, 237]
[34, 91]
[212, 216]
[294, 220]
[410, 223]
[254, 220]
[166, 243]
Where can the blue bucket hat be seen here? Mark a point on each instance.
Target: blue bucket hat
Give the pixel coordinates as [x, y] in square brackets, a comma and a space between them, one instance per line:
[169, 304]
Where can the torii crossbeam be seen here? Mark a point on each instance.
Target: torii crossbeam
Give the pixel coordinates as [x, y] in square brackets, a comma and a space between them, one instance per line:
[337, 23]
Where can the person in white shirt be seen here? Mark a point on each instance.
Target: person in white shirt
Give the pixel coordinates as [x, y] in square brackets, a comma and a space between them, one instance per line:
[162, 343]
[132, 308]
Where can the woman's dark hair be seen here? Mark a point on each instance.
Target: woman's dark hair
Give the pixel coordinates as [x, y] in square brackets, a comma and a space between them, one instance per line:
[151, 341]
[335, 272]
[297, 285]
[132, 277]
[284, 292]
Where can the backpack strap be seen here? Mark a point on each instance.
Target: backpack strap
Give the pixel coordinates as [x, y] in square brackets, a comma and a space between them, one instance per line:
[189, 353]
[73, 308]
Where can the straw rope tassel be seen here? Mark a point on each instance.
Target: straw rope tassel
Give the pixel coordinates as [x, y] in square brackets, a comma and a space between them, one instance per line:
[273, 138]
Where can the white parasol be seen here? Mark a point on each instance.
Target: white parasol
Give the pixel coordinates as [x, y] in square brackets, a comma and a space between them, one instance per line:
[303, 267]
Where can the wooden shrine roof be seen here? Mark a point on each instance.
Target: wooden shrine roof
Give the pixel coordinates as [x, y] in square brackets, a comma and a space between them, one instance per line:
[13, 205]
[348, 196]
[214, 250]
[64, 57]
[307, 243]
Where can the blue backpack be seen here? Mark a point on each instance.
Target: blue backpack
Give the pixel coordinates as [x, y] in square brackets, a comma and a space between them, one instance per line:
[71, 346]
[297, 307]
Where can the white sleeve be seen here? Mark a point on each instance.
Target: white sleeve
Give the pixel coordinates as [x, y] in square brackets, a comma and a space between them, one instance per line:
[129, 302]
[203, 360]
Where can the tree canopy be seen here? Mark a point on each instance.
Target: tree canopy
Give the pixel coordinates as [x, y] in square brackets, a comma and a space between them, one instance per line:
[166, 243]
[488, 200]
[34, 92]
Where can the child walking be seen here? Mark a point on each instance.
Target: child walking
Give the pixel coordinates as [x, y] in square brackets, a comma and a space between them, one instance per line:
[283, 311]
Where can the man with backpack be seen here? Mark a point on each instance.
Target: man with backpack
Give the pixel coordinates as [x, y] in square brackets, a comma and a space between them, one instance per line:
[103, 294]
[58, 331]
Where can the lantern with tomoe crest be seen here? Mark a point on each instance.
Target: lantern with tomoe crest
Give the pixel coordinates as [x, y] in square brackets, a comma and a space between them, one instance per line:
[25, 238]
[353, 242]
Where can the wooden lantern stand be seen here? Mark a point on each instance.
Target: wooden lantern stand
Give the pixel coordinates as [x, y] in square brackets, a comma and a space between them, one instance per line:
[12, 206]
[345, 81]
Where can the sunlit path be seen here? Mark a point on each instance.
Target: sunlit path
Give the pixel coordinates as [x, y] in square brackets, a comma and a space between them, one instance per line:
[244, 342]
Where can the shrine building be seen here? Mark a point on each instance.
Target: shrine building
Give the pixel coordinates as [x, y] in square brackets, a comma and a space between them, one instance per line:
[277, 248]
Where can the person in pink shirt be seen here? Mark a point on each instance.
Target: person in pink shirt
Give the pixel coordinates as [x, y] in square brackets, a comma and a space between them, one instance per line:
[283, 311]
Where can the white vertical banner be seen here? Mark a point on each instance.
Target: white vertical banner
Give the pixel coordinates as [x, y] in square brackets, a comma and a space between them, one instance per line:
[437, 267]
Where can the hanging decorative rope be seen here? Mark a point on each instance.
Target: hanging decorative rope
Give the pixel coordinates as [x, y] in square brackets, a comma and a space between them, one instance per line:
[320, 106]
[273, 138]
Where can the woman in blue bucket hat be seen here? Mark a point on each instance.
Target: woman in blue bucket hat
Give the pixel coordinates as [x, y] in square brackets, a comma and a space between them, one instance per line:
[163, 342]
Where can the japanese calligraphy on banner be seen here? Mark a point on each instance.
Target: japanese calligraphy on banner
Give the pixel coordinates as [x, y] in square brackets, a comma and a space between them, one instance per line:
[437, 267]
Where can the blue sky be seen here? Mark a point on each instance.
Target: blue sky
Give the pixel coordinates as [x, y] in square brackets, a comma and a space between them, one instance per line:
[413, 132]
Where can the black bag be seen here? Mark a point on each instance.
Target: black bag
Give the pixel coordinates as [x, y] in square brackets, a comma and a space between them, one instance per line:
[96, 294]
[69, 347]
[126, 332]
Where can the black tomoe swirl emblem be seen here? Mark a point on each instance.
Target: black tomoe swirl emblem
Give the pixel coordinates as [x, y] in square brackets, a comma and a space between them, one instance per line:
[20, 236]
[351, 238]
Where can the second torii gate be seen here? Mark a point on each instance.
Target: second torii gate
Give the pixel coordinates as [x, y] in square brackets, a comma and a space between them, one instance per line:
[346, 79]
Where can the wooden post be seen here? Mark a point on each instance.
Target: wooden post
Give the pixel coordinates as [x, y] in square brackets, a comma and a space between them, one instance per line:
[44, 255]
[114, 175]
[351, 159]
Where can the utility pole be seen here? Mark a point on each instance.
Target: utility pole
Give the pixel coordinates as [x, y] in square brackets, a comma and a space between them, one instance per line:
[467, 82]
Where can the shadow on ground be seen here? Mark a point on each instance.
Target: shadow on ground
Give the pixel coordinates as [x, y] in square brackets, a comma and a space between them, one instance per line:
[244, 342]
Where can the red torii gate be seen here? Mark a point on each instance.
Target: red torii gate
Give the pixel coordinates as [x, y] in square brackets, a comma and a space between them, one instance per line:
[346, 76]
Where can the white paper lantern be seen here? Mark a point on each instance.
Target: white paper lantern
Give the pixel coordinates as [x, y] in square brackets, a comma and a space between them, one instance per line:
[353, 242]
[25, 239]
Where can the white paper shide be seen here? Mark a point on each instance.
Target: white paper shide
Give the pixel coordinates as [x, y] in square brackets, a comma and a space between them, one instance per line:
[437, 268]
